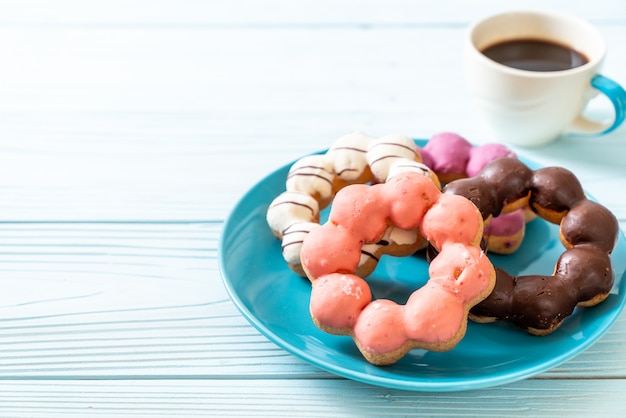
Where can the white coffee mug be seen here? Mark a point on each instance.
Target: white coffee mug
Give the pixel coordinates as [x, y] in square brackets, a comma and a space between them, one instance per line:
[530, 108]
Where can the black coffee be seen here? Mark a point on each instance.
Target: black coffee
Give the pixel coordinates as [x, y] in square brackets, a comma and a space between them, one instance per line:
[535, 55]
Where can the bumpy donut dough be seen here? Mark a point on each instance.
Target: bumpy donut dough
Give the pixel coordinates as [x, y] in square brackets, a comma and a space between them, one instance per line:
[583, 275]
[435, 316]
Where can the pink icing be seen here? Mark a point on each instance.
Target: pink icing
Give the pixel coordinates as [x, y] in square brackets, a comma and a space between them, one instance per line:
[350, 202]
[380, 327]
[447, 152]
[506, 224]
[321, 255]
[480, 156]
[433, 314]
[461, 269]
[452, 219]
[338, 299]
[405, 207]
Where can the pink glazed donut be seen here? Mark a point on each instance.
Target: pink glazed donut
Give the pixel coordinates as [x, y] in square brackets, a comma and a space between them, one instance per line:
[435, 316]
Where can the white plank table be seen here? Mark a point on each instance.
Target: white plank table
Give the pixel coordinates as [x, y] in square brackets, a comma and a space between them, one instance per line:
[130, 129]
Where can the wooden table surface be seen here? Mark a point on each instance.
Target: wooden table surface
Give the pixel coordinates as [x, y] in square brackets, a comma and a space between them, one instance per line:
[130, 129]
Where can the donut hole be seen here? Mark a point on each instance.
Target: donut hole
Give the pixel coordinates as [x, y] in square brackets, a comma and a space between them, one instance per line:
[537, 253]
[396, 278]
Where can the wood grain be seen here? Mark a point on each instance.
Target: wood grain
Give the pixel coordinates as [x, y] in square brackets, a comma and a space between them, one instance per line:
[120, 300]
[130, 129]
[303, 398]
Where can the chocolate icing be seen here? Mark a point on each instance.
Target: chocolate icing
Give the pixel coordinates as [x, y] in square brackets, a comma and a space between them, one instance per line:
[583, 274]
[299, 172]
[487, 190]
[555, 189]
[602, 235]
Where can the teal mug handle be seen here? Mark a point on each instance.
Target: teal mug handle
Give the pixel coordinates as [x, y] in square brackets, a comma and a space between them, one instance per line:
[617, 95]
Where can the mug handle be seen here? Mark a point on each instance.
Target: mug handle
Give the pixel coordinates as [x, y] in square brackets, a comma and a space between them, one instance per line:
[616, 94]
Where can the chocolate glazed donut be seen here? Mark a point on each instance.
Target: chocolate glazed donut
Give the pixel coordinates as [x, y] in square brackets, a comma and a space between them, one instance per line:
[583, 275]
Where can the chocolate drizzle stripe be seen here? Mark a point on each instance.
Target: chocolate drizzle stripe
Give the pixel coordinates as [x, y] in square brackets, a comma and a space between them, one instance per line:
[296, 231]
[349, 149]
[291, 243]
[413, 166]
[327, 180]
[346, 170]
[384, 158]
[370, 255]
[291, 202]
[295, 170]
[392, 144]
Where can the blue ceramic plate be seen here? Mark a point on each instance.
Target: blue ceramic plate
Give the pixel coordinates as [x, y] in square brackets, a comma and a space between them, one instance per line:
[276, 302]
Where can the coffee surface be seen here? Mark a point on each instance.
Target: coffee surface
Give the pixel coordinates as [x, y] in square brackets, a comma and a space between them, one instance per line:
[535, 55]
